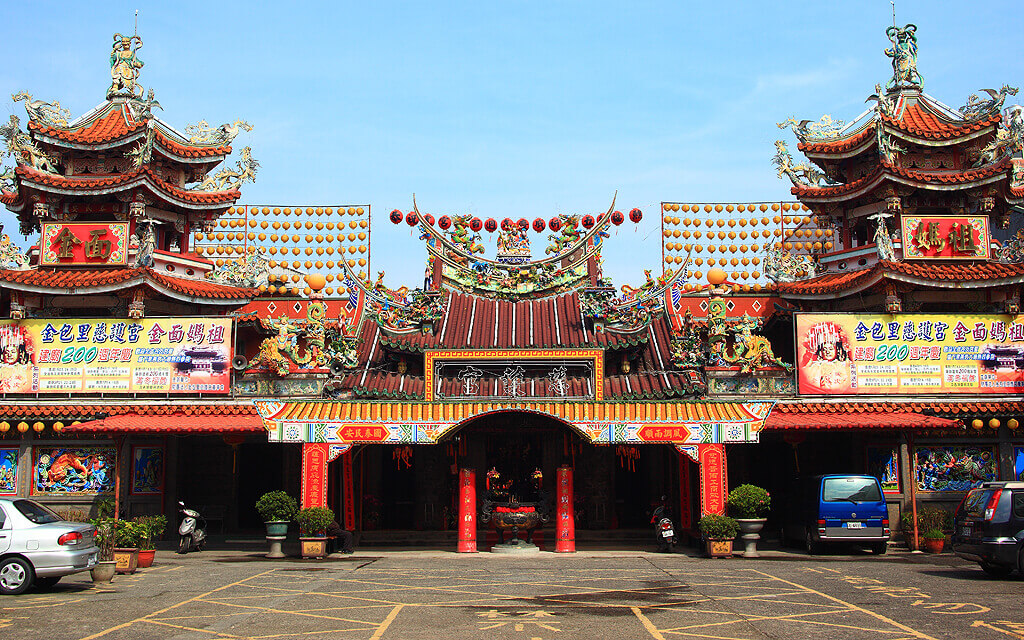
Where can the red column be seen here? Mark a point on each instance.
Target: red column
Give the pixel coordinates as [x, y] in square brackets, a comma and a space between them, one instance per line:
[713, 479]
[467, 511]
[565, 517]
[684, 520]
[348, 492]
[314, 474]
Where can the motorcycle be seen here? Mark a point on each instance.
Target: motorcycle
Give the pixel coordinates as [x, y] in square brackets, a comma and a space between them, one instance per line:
[192, 531]
[664, 531]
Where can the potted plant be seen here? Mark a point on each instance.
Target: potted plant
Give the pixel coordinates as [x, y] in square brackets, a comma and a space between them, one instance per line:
[152, 528]
[749, 504]
[313, 522]
[718, 532]
[127, 537]
[277, 509]
[934, 540]
[104, 569]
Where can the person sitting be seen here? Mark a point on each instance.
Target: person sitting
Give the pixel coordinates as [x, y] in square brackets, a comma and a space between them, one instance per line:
[340, 536]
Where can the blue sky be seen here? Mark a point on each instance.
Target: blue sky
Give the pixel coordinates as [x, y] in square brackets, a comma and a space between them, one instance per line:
[507, 109]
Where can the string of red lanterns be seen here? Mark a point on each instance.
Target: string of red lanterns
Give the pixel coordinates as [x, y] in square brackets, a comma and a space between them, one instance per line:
[539, 225]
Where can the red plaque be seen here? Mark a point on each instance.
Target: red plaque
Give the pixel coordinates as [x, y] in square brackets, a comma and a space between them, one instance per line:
[945, 237]
[565, 516]
[314, 474]
[84, 243]
[713, 479]
[467, 511]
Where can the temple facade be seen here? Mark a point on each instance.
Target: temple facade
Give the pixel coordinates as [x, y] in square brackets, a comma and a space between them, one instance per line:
[164, 342]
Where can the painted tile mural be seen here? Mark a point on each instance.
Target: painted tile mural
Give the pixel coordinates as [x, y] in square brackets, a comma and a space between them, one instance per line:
[147, 470]
[884, 464]
[8, 471]
[955, 468]
[78, 470]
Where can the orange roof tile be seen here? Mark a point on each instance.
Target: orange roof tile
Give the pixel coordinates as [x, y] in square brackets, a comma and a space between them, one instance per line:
[836, 420]
[110, 126]
[937, 273]
[839, 145]
[158, 185]
[178, 422]
[944, 407]
[86, 278]
[920, 122]
[10, 410]
[190, 151]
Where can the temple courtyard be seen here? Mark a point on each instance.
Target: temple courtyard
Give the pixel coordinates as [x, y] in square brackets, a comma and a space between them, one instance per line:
[601, 594]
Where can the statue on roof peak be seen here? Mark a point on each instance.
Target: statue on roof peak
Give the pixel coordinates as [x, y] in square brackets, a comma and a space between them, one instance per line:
[124, 66]
[904, 57]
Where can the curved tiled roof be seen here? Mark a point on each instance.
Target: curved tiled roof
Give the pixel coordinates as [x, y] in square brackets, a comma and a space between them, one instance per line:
[837, 190]
[475, 322]
[839, 145]
[117, 122]
[78, 279]
[924, 273]
[921, 122]
[921, 176]
[143, 175]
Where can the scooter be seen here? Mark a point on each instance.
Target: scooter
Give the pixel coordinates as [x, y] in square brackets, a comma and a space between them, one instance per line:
[664, 531]
[192, 531]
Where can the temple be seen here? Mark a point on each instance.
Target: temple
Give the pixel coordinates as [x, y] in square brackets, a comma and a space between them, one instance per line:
[165, 342]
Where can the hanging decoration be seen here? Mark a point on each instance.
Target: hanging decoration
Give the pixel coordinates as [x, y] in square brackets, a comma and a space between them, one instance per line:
[411, 219]
[627, 455]
[538, 225]
[396, 217]
[491, 225]
[476, 224]
[555, 224]
[402, 457]
[588, 221]
[636, 215]
[444, 222]
[618, 218]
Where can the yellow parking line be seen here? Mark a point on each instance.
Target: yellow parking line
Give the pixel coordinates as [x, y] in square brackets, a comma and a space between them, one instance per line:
[651, 629]
[387, 623]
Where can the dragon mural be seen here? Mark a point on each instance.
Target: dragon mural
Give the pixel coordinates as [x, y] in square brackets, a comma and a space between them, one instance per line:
[325, 343]
[749, 351]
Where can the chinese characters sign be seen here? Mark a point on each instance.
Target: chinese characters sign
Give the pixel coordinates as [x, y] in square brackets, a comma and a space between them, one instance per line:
[84, 243]
[945, 237]
[845, 354]
[155, 355]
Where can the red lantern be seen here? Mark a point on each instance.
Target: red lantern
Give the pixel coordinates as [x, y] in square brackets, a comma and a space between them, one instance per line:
[555, 224]
[636, 215]
[538, 225]
[618, 218]
[396, 216]
[587, 221]
[410, 218]
[523, 223]
[444, 222]
[476, 224]
[506, 224]
[429, 218]
[491, 225]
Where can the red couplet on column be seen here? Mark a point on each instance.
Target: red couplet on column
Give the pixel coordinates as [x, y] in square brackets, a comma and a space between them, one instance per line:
[467, 511]
[685, 520]
[348, 491]
[714, 479]
[565, 517]
[314, 474]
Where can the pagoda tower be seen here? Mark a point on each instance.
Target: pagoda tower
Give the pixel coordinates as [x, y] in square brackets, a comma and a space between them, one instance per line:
[115, 195]
[911, 186]
[120, 161]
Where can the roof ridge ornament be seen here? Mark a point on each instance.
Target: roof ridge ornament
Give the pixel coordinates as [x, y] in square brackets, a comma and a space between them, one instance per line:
[124, 67]
[801, 175]
[904, 58]
[978, 109]
[48, 113]
[824, 129]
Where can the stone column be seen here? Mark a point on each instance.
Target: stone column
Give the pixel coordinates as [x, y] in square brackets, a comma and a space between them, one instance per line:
[467, 511]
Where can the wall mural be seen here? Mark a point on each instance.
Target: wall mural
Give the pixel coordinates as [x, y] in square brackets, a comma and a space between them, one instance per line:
[884, 464]
[1018, 463]
[79, 470]
[8, 471]
[955, 468]
[147, 470]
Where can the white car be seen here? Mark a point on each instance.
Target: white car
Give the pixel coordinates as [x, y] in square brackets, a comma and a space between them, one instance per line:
[37, 547]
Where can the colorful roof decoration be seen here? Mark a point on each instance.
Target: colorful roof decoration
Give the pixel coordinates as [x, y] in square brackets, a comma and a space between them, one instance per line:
[922, 274]
[428, 422]
[177, 422]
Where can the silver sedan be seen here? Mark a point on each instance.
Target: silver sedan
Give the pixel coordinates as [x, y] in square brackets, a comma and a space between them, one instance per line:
[37, 547]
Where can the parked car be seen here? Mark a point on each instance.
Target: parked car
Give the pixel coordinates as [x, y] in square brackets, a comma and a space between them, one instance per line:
[836, 509]
[988, 527]
[37, 547]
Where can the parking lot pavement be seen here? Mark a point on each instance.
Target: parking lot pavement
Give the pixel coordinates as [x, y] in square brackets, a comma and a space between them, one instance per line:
[608, 595]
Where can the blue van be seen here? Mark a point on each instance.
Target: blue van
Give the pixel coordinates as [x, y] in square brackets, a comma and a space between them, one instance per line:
[837, 508]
